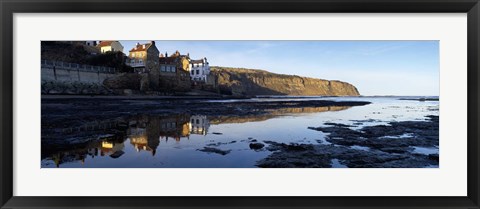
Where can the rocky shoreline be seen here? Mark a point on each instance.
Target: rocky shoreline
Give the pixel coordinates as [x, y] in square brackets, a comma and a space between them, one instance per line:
[66, 111]
[381, 146]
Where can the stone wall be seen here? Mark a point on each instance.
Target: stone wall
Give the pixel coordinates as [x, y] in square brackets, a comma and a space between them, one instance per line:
[67, 75]
[70, 81]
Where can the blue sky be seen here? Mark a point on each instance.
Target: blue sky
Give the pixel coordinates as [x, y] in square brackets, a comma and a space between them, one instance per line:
[374, 67]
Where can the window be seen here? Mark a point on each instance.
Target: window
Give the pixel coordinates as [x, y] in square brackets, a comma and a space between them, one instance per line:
[198, 72]
[198, 121]
[192, 72]
[162, 68]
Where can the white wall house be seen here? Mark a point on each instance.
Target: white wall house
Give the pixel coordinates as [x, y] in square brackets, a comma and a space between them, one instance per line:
[107, 46]
[91, 43]
[199, 70]
[199, 124]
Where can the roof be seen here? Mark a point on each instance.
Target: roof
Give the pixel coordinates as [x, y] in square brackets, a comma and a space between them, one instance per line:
[196, 61]
[105, 43]
[141, 47]
[167, 60]
[176, 54]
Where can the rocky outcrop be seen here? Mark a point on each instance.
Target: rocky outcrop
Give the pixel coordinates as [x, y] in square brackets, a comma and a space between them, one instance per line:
[239, 81]
[124, 81]
[73, 88]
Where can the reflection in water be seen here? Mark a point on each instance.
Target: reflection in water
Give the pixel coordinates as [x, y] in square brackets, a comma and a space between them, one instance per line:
[144, 133]
[105, 146]
[199, 124]
[272, 113]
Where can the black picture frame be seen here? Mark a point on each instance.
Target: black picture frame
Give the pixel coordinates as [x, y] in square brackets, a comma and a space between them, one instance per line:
[10, 7]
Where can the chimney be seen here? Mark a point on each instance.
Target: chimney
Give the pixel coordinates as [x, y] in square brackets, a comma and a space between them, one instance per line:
[153, 43]
[166, 54]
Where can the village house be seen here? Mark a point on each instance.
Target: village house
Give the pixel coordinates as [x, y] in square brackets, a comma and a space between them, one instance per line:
[91, 43]
[110, 46]
[174, 72]
[199, 70]
[143, 58]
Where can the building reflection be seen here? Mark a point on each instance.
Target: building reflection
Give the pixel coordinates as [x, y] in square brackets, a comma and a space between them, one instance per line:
[112, 146]
[199, 124]
[145, 133]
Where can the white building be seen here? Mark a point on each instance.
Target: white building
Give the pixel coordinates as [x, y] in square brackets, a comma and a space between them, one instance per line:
[91, 43]
[107, 46]
[199, 70]
[199, 124]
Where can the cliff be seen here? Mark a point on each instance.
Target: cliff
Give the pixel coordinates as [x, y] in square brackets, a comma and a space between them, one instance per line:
[239, 81]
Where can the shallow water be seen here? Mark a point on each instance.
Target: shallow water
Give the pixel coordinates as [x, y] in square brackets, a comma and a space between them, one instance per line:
[177, 140]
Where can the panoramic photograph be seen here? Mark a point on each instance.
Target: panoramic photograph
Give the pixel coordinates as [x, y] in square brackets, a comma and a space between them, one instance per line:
[239, 104]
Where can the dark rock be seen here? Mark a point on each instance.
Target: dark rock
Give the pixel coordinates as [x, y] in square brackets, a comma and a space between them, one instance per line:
[123, 81]
[383, 152]
[256, 146]
[433, 157]
[117, 154]
[338, 125]
[214, 150]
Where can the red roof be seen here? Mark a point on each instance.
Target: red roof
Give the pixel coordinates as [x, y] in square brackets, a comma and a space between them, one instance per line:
[105, 43]
[141, 47]
[167, 60]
